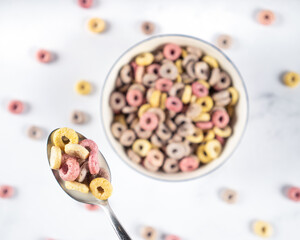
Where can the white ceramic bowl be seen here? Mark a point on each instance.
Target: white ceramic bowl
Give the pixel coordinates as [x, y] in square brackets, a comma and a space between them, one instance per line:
[239, 123]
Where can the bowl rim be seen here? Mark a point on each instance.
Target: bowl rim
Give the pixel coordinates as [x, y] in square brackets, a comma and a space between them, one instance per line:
[185, 36]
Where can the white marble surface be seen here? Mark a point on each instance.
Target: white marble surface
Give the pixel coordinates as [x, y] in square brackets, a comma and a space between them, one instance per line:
[266, 161]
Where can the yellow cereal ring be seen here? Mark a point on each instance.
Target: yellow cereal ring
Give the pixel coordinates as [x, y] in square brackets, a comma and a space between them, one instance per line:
[184, 53]
[83, 87]
[68, 133]
[234, 96]
[197, 137]
[80, 187]
[212, 62]
[209, 135]
[155, 98]
[179, 78]
[291, 79]
[206, 103]
[178, 65]
[120, 118]
[77, 151]
[96, 25]
[101, 188]
[193, 99]
[230, 110]
[187, 94]
[262, 229]
[143, 109]
[202, 155]
[202, 117]
[213, 148]
[163, 99]
[55, 157]
[224, 133]
[141, 147]
[144, 59]
[204, 83]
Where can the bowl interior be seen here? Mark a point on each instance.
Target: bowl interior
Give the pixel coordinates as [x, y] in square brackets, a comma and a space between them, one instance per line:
[241, 111]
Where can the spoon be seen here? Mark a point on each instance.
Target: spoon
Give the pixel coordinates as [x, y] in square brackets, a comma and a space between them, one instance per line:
[89, 198]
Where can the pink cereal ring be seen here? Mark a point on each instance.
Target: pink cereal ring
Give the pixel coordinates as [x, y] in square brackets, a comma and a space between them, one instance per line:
[174, 104]
[163, 84]
[85, 3]
[16, 106]
[220, 118]
[149, 121]
[205, 125]
[220, 139]
[172, 51]
[6, 191]
[294, 194]
[153, 68]
[188, 164]
[93, 157]
[199, 89]
[134, 97]
[91, 207]
[70, 169]
[172, 237]
[43, 56]
[134, 66]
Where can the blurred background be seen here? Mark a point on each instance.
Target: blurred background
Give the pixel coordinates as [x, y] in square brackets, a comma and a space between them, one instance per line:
[266, 161]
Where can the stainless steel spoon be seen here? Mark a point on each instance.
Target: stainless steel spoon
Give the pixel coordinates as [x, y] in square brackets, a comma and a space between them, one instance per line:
[89, 198]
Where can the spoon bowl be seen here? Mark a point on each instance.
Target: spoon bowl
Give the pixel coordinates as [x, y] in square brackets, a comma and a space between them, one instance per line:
[89, 198]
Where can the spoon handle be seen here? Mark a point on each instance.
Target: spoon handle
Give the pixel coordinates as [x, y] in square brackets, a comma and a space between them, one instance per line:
[120, 231]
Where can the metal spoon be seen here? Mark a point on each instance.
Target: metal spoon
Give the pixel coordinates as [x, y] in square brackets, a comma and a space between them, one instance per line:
[89, 198]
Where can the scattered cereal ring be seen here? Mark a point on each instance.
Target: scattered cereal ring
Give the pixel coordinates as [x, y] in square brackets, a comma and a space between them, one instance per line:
[197, 137]
[93, 156]
[199, 90]
[141, 147]
[83, 87]
[144, 59]
[127, 138]
[206, 103]
[188, 164]
[148, 233]
[202, 155]
[229, 196]
[187, 94]
[16, 107]
[212, 62]
[224, 133]
[220, 118]
[223, 82]
[44, 56]
[171, 166]
[91, 207]
[155, 98]
[101, 188]
[155, 157]
[174, 104]
[163, 84]
[55, 157]
[172, 237]
[172, 51]
[291, 79]
[96, 25]
[70, 169]
[213, 148]
[117, 101]
[204, 125]
[35, 132]
[80, 187]
[149, 121]
[134, 98]
[224, 41]
[76, 150]
[6, 191]
[85, 3]
[78, 117]
[262, 229]
[184, 53]
[148, 28]
[294, 194]
[60, 134]
[266, 17]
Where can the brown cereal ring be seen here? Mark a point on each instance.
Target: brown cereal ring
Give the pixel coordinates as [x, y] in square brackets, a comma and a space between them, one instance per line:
[221, 95]
[202, 70]
[141, 133]
[133, 156]
[147, 164]
[137, 86]
[186, 129]
[139, 73]
[78, 117]
[117, 101]
[127, 138]
[118, 82]
[159, 113]
[117, 129]
[182, 119]
[155, 157]
[176, 90]
[189, 68]
[130, 118]
[223, 102]
[126, 74]
[175, 150]
[159, 56]
[157, 141]
[229, 196]
[147, 28]
[170, 166]
[168, 70]
[129, 109]
[83, 172]
[163, 132]
[149, 79]
[124, 88]
[224, 81]
[35, 132]
[193, 110]
[214, 76]
[171, 125]
[194, 51]
[188, 58]
[224, 41]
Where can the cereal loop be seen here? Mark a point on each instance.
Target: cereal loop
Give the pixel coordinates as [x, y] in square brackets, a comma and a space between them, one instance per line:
[85, 3]
[63, 135]
[6, 191]
[291, 79]
[172, 51]
[83, 87]
[43, 56]
[174, 104]
[266, 17]
[134, 97]
[16, 107]
[101, 188]
[262, 229]
[96, 25]
[144, 59]
[294, 194]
